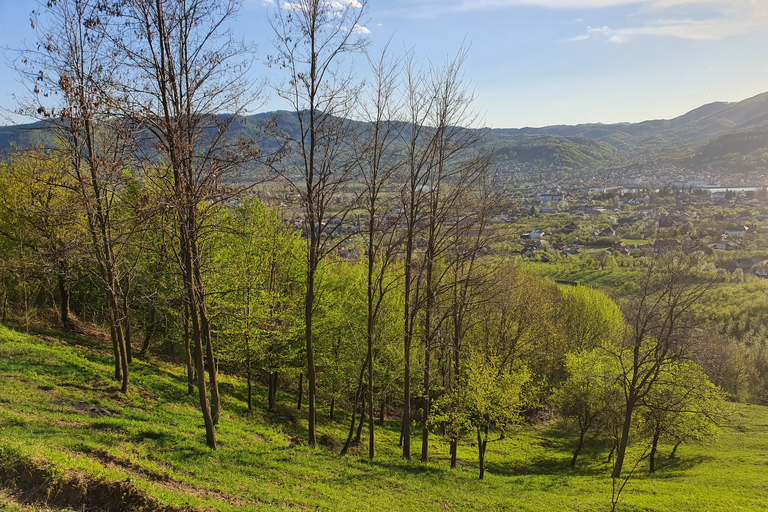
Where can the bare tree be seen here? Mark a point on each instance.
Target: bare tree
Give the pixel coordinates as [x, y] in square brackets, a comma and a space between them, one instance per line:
[377, 147]
[659, 333]
[311, 39]
[186, 83]
[446, 159]
[71, 79]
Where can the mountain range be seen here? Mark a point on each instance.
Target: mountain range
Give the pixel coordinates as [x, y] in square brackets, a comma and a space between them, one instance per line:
[732, 136]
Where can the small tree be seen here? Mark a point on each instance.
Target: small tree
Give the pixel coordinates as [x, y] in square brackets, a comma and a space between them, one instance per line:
[487, 397]
[591, 395]
[683, 405]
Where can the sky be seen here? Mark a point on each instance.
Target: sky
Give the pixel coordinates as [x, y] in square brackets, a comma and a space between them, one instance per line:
[543, 62]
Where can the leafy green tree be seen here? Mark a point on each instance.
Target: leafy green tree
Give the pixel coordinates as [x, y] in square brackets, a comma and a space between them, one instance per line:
[488, 396]
[591, 396]
[256, 280]
[40, 224]
[683, 405]
[589, 318]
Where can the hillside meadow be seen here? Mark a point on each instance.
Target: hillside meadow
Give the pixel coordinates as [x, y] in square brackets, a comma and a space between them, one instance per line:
[70, 438]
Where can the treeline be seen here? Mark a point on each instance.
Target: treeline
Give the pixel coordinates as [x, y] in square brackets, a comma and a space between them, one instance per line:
[139, 220]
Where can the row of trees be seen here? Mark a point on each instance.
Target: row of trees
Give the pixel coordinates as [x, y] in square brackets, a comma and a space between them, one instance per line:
[144, 194]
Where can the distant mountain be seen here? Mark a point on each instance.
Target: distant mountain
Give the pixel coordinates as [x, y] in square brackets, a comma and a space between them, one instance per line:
[728, 134]
[714, 134]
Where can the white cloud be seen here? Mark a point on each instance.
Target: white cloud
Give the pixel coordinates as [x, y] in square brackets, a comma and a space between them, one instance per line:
[359, 29]
[703, 19]
[729, 24]
[342, 4]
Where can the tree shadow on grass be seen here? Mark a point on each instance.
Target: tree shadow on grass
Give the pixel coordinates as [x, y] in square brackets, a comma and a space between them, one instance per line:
[677, 466]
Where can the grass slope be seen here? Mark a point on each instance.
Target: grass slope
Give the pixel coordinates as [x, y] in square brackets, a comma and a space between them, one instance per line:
[59, 410]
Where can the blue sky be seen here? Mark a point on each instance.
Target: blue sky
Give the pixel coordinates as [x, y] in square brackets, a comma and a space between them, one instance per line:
[542, 62]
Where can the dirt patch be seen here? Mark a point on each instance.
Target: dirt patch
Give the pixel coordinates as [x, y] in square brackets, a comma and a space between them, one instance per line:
[107, 458]
[294, 440]
[164, 479]
[38, 481]
[545, 443]
[94, 411]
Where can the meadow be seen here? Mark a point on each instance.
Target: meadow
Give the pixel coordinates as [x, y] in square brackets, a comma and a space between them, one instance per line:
[70, 438]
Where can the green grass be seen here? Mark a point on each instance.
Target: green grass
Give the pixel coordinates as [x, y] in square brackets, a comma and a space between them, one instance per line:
[58, 405]
[596, 278]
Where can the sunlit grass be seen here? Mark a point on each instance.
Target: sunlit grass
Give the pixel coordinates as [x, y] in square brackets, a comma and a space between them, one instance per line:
[57, 403]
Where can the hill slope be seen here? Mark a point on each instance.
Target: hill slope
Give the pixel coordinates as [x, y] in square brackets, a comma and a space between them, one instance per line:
[69, 437]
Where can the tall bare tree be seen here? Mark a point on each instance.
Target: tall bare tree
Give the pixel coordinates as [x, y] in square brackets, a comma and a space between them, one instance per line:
[378, 145]
[446, 159]
[71, 76]
[659, 334]
[186, 83]
[311, 39]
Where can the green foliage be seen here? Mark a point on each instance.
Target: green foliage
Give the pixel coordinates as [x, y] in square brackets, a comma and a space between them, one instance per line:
[256, 278]
[57, 407]
[683, 405]
[591, 395]
[589, 318]
[487, 396]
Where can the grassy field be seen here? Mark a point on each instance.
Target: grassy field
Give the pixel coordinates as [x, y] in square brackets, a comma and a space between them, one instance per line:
[63, 420]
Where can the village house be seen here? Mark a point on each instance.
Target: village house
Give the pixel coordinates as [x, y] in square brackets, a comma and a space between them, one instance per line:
[736, 230]
[665, 245]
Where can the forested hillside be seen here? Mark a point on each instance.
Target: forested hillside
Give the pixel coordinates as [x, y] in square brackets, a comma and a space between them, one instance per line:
[222, 308]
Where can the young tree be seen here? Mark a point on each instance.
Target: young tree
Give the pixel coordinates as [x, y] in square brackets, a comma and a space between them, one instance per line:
[590, 396]
[486, 397]
[255, 280]
[682, 405]
[311, 39]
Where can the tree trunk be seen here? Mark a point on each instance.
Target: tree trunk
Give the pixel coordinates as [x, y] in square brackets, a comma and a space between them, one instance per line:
[192, 297]
[145, 343]
[116, 352]
[210, 359]
[301, 390]
[674, 450]
[621, 449]
[579, 446]
[331, 412]
[64, 304]
[481, 453]
[652, 456]
[425, 411]
[272, 395]
[123, 359]
[250, 392]
[308, 311]
[351, 426]
[188, 351]
[382, 409]
[359, 433]
[126, 321]
[454, 446]
[405, 433]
